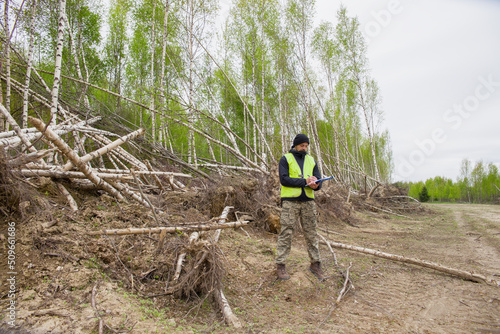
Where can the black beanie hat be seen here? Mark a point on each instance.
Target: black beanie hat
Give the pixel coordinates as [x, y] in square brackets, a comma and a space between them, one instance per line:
[299, 139]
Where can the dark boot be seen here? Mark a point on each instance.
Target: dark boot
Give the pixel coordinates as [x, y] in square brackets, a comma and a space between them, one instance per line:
[315, 268]
[280, 270]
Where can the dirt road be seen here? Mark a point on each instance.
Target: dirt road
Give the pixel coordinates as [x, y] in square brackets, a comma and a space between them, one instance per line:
[391, 297]
[397, 298]
[58, 294]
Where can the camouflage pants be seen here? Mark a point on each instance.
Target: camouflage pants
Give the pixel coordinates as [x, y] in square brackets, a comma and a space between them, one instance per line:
[291, 212]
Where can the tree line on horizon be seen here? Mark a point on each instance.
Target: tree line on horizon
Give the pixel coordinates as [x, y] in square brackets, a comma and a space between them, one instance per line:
[217, 97]
[476, 183]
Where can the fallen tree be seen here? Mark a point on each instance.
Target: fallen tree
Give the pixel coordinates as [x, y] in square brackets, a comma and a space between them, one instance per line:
[471, 276]
[170, 229]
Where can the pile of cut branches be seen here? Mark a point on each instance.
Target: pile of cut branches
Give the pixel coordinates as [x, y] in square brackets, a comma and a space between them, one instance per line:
[187, 264]
[60, 152]
[75, 155]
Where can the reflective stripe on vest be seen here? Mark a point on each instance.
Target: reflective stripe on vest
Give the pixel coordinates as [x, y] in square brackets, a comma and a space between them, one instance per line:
[295, 172]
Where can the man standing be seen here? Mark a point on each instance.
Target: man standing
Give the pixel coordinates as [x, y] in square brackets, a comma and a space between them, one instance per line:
[298, 172]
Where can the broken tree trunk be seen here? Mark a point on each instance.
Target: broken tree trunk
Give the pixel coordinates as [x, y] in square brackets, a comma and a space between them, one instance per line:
[124, 189]
[221, 299]
[29, 159]
[69, 198]
[11, 133]
[373, 190]
[194, 236]
[222, 219]
[105, 149]
[14, 141]
[471, 276]
[73, 157]
[157, 180]
[16, 128]
[169, 229]
[58, 62]
[142, 172]
[121, 152]
[67, 175]
[229, 316]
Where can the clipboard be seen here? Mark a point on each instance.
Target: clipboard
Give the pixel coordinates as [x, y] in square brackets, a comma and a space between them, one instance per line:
[324, 179]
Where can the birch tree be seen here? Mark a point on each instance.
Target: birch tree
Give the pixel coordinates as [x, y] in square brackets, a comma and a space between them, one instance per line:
[353, 48]
[152, 74]
[116, 45]
[31, 47]
[6, 57]
[299, 17]
[163, 82]
[82, 24]
[251, 26]
[58, 62]
[196, 15]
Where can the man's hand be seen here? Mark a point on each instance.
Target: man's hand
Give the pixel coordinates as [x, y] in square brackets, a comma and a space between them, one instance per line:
[311, 182]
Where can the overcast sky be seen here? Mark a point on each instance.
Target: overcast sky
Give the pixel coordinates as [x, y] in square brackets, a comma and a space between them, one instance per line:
[437, 64]
[438, 67]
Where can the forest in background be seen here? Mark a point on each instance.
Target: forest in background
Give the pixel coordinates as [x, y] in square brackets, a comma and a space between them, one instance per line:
[220, 99]
[477, 183]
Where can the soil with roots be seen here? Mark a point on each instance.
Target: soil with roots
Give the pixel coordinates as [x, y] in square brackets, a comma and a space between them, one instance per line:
[67, 281]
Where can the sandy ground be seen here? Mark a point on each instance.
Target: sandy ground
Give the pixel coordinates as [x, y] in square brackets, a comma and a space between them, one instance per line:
[55, 293]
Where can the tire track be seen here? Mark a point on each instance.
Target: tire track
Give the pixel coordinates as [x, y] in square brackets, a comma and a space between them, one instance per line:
[410, 299]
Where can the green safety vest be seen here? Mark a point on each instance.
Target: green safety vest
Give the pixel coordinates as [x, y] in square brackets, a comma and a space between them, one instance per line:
[295, 172]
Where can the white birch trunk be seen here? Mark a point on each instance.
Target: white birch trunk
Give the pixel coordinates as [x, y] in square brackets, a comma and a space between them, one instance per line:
[192, 238]
[14, 142]
[190, 28]
[58, 62]
[105, 149]
[71, 155]
[229, 316]
[163, 91]
[17, 129]
[122, 153]
[472, 276]
[152, 71]
[28, 70]
[164, 52]
[71, 201]
[254, 98]
[74, 52]
[4, 126]
[284, 144]
[57, 174]
[170, 229]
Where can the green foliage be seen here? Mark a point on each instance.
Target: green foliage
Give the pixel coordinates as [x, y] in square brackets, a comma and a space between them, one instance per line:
[478, 184]
[253, 92]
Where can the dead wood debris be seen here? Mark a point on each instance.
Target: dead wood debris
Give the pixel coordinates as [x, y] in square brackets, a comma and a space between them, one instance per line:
[178, 265]
[468, 275]
[57, 152]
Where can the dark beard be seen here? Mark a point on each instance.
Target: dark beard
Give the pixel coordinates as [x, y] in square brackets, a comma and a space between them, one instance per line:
[300, 153]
